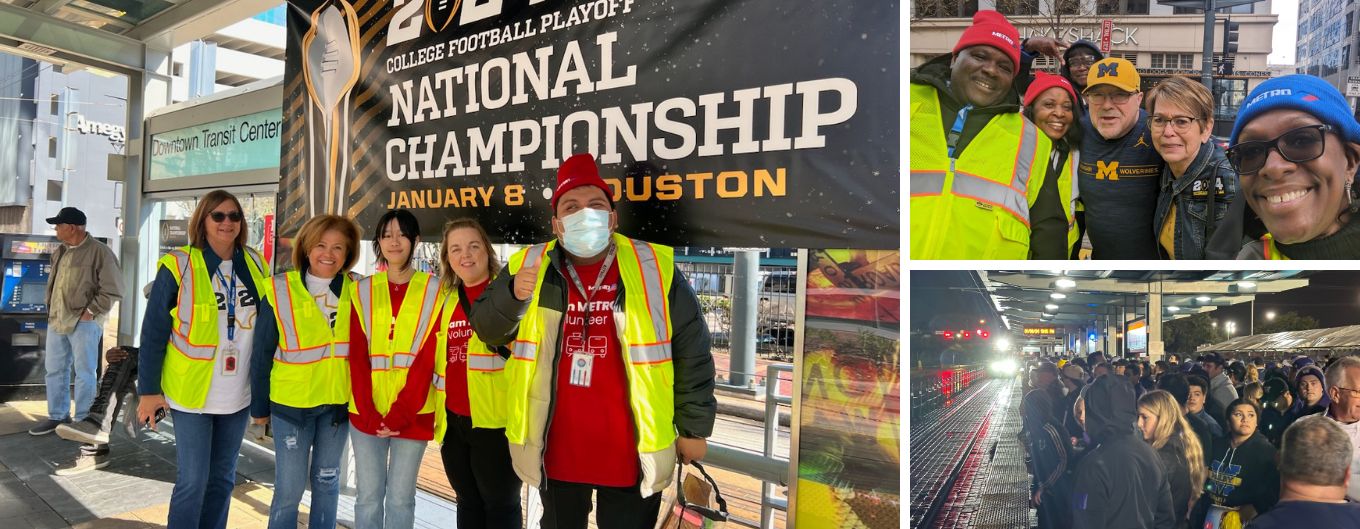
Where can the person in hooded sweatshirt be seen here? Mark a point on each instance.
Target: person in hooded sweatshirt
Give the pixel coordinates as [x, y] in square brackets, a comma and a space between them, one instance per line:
[1120, 483]
[1243, 478]
[1311, 384]
[1046, 441]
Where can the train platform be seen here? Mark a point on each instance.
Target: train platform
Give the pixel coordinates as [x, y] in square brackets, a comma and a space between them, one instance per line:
[967, 464]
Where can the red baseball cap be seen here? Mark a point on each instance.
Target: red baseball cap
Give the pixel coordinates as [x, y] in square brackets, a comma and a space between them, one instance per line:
[577, 171]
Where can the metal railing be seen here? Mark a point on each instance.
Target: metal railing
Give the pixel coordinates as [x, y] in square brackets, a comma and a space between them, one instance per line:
[712, 282]
[769, 468]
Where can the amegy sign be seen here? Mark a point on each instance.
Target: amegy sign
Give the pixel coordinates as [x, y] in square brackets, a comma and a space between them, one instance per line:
[1126, 35]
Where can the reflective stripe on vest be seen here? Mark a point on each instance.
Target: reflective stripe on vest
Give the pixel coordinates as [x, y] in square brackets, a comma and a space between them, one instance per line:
[527, 349]
[180, 336]
[483, 362]
[285, 288]
[438, 382]
[974, 206]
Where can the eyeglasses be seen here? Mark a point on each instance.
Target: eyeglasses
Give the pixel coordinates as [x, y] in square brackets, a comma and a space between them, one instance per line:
[234, 216]
[1179, 123]
[1078, 62]
[1355, 393]
[1119, 98]
[1297, 146]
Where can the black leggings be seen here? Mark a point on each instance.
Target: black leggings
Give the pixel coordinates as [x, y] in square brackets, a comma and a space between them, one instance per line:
[477, 462]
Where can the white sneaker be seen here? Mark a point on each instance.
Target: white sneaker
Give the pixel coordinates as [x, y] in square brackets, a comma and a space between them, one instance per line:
[83, 464]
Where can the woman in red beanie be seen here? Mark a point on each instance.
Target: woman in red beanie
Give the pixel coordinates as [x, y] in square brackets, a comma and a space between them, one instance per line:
[1051, 103]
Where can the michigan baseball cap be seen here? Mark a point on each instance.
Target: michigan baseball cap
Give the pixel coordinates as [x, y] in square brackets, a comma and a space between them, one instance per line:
[1115, 72]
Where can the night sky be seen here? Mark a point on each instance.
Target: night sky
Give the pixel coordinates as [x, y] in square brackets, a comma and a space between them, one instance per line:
[1332, 297]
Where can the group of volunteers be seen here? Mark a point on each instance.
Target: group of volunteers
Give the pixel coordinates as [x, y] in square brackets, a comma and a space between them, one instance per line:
[1210, 443]
[581, 367]
[1009, 164]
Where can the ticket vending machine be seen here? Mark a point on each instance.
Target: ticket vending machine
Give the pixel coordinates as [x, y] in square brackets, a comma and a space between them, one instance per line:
[25, 263]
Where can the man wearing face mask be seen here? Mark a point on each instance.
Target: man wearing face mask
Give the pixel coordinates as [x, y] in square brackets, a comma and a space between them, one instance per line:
[610, 376]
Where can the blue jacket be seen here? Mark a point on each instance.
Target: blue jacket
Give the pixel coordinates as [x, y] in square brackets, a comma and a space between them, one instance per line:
[157, 325]
[1202, 196]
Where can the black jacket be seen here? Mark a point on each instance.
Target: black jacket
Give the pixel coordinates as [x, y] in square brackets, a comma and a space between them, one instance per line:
[496, 316]
[1119, 484]
[1177, 469]
[1243, 475]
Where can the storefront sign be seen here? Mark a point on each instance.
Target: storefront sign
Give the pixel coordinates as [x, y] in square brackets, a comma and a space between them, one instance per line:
[236, 144]
[1124, 35]
[116, 133]
[705, 128]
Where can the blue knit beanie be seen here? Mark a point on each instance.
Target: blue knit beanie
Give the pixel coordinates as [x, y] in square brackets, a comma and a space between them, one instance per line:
[1300, 92]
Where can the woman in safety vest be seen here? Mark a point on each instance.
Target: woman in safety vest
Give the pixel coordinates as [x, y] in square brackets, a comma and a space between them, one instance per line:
[306, 381]
[1051, 103]
[469, 377]
[1296, 149]
[392, 352]
[199, 334]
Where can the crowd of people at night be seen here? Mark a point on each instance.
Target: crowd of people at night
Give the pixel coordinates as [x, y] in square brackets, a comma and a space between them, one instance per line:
[1207, 442]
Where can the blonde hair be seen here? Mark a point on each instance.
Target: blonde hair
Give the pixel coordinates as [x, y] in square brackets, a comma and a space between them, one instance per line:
[448, 280]
[1186, 93]
[311, 233]
[1253, 391]
[1171, 422]
[198, 232]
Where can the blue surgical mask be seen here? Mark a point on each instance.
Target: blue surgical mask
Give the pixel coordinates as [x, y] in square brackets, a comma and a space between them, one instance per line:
[586, 232]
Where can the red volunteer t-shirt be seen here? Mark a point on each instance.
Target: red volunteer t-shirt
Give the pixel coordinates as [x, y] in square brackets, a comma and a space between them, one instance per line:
[592, 438]
[455, 374]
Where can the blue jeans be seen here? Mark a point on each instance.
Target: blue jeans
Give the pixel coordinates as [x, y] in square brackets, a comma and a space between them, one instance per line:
[308, 444]
[206, 446]
[386, 487]
[81, 349]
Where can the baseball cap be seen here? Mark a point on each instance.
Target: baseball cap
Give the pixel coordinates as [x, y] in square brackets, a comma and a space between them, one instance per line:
[1113, 71]
[68, 215]
[1211, 358]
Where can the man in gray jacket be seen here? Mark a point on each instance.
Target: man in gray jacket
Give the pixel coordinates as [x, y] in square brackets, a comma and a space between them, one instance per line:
[82, 286]
[1221, 390]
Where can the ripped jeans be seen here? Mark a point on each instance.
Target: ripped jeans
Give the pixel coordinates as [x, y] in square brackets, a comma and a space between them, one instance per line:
[308, 443]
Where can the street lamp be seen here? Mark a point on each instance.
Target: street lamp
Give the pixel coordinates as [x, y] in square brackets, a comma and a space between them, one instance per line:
[1231, 327]
[1270, 315]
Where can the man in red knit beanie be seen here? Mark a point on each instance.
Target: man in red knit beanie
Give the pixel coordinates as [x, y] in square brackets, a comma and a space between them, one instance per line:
[974, 158]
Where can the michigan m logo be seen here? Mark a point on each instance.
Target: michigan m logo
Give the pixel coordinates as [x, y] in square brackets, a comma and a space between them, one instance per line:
[1107, 172]
[1108, 69]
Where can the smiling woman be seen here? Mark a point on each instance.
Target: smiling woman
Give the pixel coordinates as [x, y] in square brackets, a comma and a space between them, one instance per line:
[1051, 102]
[1297, 152]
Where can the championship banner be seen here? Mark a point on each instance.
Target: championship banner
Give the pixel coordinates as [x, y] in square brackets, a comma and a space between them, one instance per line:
[763, 123]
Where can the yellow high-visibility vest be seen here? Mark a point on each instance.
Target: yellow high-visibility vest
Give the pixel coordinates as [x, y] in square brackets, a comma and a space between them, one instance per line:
[975, 206]
[645, 270]
[311, 363]
[190, 355]
[1067, 191]
[1271, 252]
[393, 344]
[485, 376]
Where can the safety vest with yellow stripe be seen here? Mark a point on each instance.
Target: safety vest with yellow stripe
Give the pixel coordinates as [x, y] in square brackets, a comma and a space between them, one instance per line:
[1271, 252]
[645, 271]
[189, 357]
[1067, 191]
[392, 348]
[975, 206]
[485, 376]
[311, 363]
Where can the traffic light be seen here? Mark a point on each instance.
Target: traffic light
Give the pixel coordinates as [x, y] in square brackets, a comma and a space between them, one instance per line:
[965, 335]
[1229, 46]
[948, 335]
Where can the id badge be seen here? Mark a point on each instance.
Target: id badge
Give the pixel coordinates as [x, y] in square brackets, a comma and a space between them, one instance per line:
[230, 359]
[581, 365]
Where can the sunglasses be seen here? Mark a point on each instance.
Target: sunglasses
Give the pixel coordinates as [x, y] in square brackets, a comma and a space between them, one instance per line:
[219, 216]
[1297, 146]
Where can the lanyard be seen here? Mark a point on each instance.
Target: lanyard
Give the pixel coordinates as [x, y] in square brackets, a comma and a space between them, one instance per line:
[580, 287]
[229, 285]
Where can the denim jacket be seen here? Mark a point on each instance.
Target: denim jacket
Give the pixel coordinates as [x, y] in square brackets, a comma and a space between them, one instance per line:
[1193, 198]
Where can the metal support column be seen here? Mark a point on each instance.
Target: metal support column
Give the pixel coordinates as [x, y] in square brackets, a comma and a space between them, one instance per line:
[1155, 345]
[1207, 75]
[745, 301]
[148, 90]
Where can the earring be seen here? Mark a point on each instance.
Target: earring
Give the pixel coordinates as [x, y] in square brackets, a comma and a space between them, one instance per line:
[1351, 204]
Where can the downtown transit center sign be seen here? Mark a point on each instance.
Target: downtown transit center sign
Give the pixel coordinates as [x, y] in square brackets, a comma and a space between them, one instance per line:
[764, 123]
